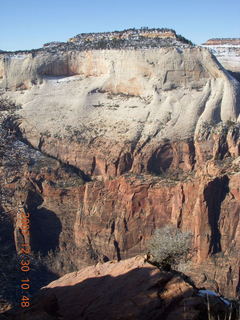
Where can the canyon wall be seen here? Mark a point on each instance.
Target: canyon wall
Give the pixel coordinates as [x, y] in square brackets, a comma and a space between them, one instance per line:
[154, 133]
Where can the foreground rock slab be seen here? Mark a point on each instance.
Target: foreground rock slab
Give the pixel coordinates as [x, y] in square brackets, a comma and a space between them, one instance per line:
[129, 289]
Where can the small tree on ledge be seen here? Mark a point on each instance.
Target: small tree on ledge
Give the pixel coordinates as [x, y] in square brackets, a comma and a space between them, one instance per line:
[169, 247]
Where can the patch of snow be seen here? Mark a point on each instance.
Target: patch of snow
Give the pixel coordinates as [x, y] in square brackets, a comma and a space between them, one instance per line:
[18, 56]
[222, 46]
[26, 150]
[207, 292]
[59, 79]
[228, 303]
[204, 293]
[223, 51]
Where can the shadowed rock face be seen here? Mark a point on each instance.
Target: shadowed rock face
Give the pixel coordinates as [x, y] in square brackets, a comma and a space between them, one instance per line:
[130, 289]
[155, 130]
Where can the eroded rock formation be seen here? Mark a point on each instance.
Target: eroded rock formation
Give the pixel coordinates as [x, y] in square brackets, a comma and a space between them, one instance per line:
[227, 52]
[109, 219]
[151, 137]
[116, 114]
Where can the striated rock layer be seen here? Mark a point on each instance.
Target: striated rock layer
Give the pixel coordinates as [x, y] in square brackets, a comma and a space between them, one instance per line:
[110, 219]
[156, 133]
[223, 41]
[112, 111]
[227, 52]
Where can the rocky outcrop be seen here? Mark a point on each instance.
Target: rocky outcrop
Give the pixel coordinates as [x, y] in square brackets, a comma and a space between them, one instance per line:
[227, 52]
[130, 289]
[125, 34]
[151, 138]
[222, 41]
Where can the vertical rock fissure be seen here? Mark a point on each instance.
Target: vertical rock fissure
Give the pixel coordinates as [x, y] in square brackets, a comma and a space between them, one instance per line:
[214, 195]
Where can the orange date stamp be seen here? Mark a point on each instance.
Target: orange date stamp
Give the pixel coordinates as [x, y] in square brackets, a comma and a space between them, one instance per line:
[25, 262]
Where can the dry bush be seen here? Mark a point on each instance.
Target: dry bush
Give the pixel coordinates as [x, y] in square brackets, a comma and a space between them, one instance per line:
[169, 247]
[59, 261]
[8, 105]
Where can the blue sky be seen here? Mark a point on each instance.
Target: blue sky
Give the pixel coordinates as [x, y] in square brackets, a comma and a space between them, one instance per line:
[27, 24]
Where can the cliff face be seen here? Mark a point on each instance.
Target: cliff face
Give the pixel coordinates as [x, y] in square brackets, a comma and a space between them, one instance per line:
[113, 219]
[125, 102]
[154, 130]
[224, 41]
[125, 34]
[227, 52]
